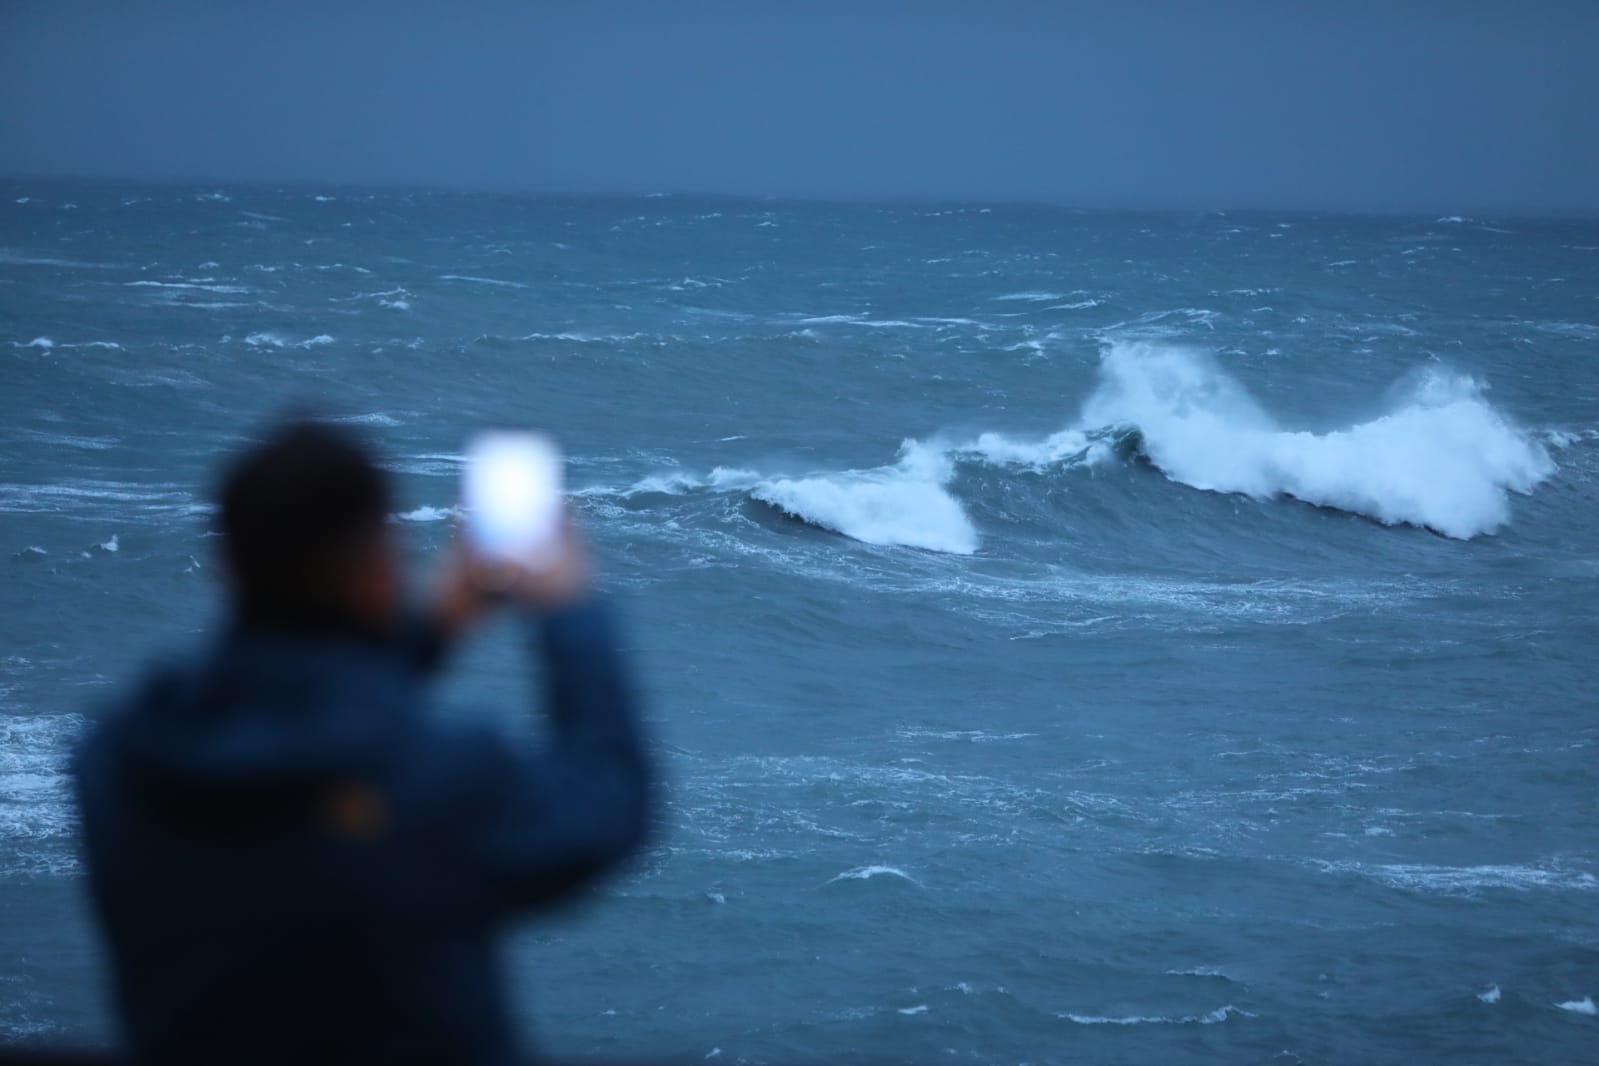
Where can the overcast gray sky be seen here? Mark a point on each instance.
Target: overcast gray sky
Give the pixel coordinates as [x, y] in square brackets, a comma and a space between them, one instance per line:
[1451, 105]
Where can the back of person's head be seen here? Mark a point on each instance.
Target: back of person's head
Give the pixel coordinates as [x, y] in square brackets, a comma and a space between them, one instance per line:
[301, 510]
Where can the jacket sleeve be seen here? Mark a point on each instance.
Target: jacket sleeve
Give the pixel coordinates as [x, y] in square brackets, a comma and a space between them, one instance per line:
[422, 643]
[545, 823]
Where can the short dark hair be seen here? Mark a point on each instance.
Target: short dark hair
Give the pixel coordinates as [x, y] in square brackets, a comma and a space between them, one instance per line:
[294, 506]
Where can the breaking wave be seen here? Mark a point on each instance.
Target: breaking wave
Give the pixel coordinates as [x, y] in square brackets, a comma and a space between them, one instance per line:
[906, 504]
[866, 873]
[1585, 1005]
[1442, 458]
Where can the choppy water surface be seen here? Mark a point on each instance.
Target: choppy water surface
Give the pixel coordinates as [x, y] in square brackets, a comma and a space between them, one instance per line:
[1070, 637]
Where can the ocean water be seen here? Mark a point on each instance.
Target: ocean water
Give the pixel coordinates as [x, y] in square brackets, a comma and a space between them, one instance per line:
[1069, 637]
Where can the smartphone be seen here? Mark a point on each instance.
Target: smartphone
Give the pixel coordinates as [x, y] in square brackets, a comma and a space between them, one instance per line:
[512, 495]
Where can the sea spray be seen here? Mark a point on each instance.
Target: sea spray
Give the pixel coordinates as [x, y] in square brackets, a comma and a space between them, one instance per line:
[1443, 458]
[907, 503]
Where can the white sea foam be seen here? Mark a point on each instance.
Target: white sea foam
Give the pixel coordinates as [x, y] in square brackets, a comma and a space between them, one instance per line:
[1174, 320]
[734, 478]
[951, 321]
[482, 281]
[376, 418]
[1443, 458]
[428, 514]
[907, 503]
[1585, 1005]
[201, 285]
[429, 465]
[578, 337]
[678, 483]
[111, 545]
[1000, 450]
[397, 299]
[19, 259]
[50, 344]
[1032, 296]
[1467, 880]
[1580, 330]
[858, 320]
[35, 804]
[866, 873]
[95, 497]
[275, 340]
[975, 736]
[670, 484]
[1220, 1014]
[1489, 995]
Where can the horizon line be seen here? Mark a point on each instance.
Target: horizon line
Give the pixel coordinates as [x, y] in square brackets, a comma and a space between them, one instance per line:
[402, 185]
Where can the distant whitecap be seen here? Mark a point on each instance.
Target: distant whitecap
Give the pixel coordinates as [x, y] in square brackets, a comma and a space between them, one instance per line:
[1220, 1014]
[482, 281]
[866, 873]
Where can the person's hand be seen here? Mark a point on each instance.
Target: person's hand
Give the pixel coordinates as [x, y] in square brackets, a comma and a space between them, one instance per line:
[460, 599]
[557, 581]
[470, 585]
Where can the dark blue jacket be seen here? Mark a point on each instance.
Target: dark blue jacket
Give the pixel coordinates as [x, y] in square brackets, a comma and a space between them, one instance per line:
[293, 863]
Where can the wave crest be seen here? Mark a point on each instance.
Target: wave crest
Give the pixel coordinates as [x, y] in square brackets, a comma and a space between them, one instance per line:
[907, 504]
[1443, 458]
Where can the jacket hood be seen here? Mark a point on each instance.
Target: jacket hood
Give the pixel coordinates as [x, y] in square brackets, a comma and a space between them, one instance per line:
[267, 706]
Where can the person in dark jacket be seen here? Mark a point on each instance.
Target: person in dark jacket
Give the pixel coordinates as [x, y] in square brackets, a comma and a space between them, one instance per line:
[291, 860]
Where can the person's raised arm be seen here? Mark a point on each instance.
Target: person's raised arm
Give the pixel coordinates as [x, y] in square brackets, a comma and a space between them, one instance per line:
[548, 821]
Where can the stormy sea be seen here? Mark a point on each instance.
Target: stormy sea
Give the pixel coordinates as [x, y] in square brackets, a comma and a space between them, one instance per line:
[1067, 636]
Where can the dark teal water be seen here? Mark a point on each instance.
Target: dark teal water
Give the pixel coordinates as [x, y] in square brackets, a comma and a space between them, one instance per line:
[1070, 637]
